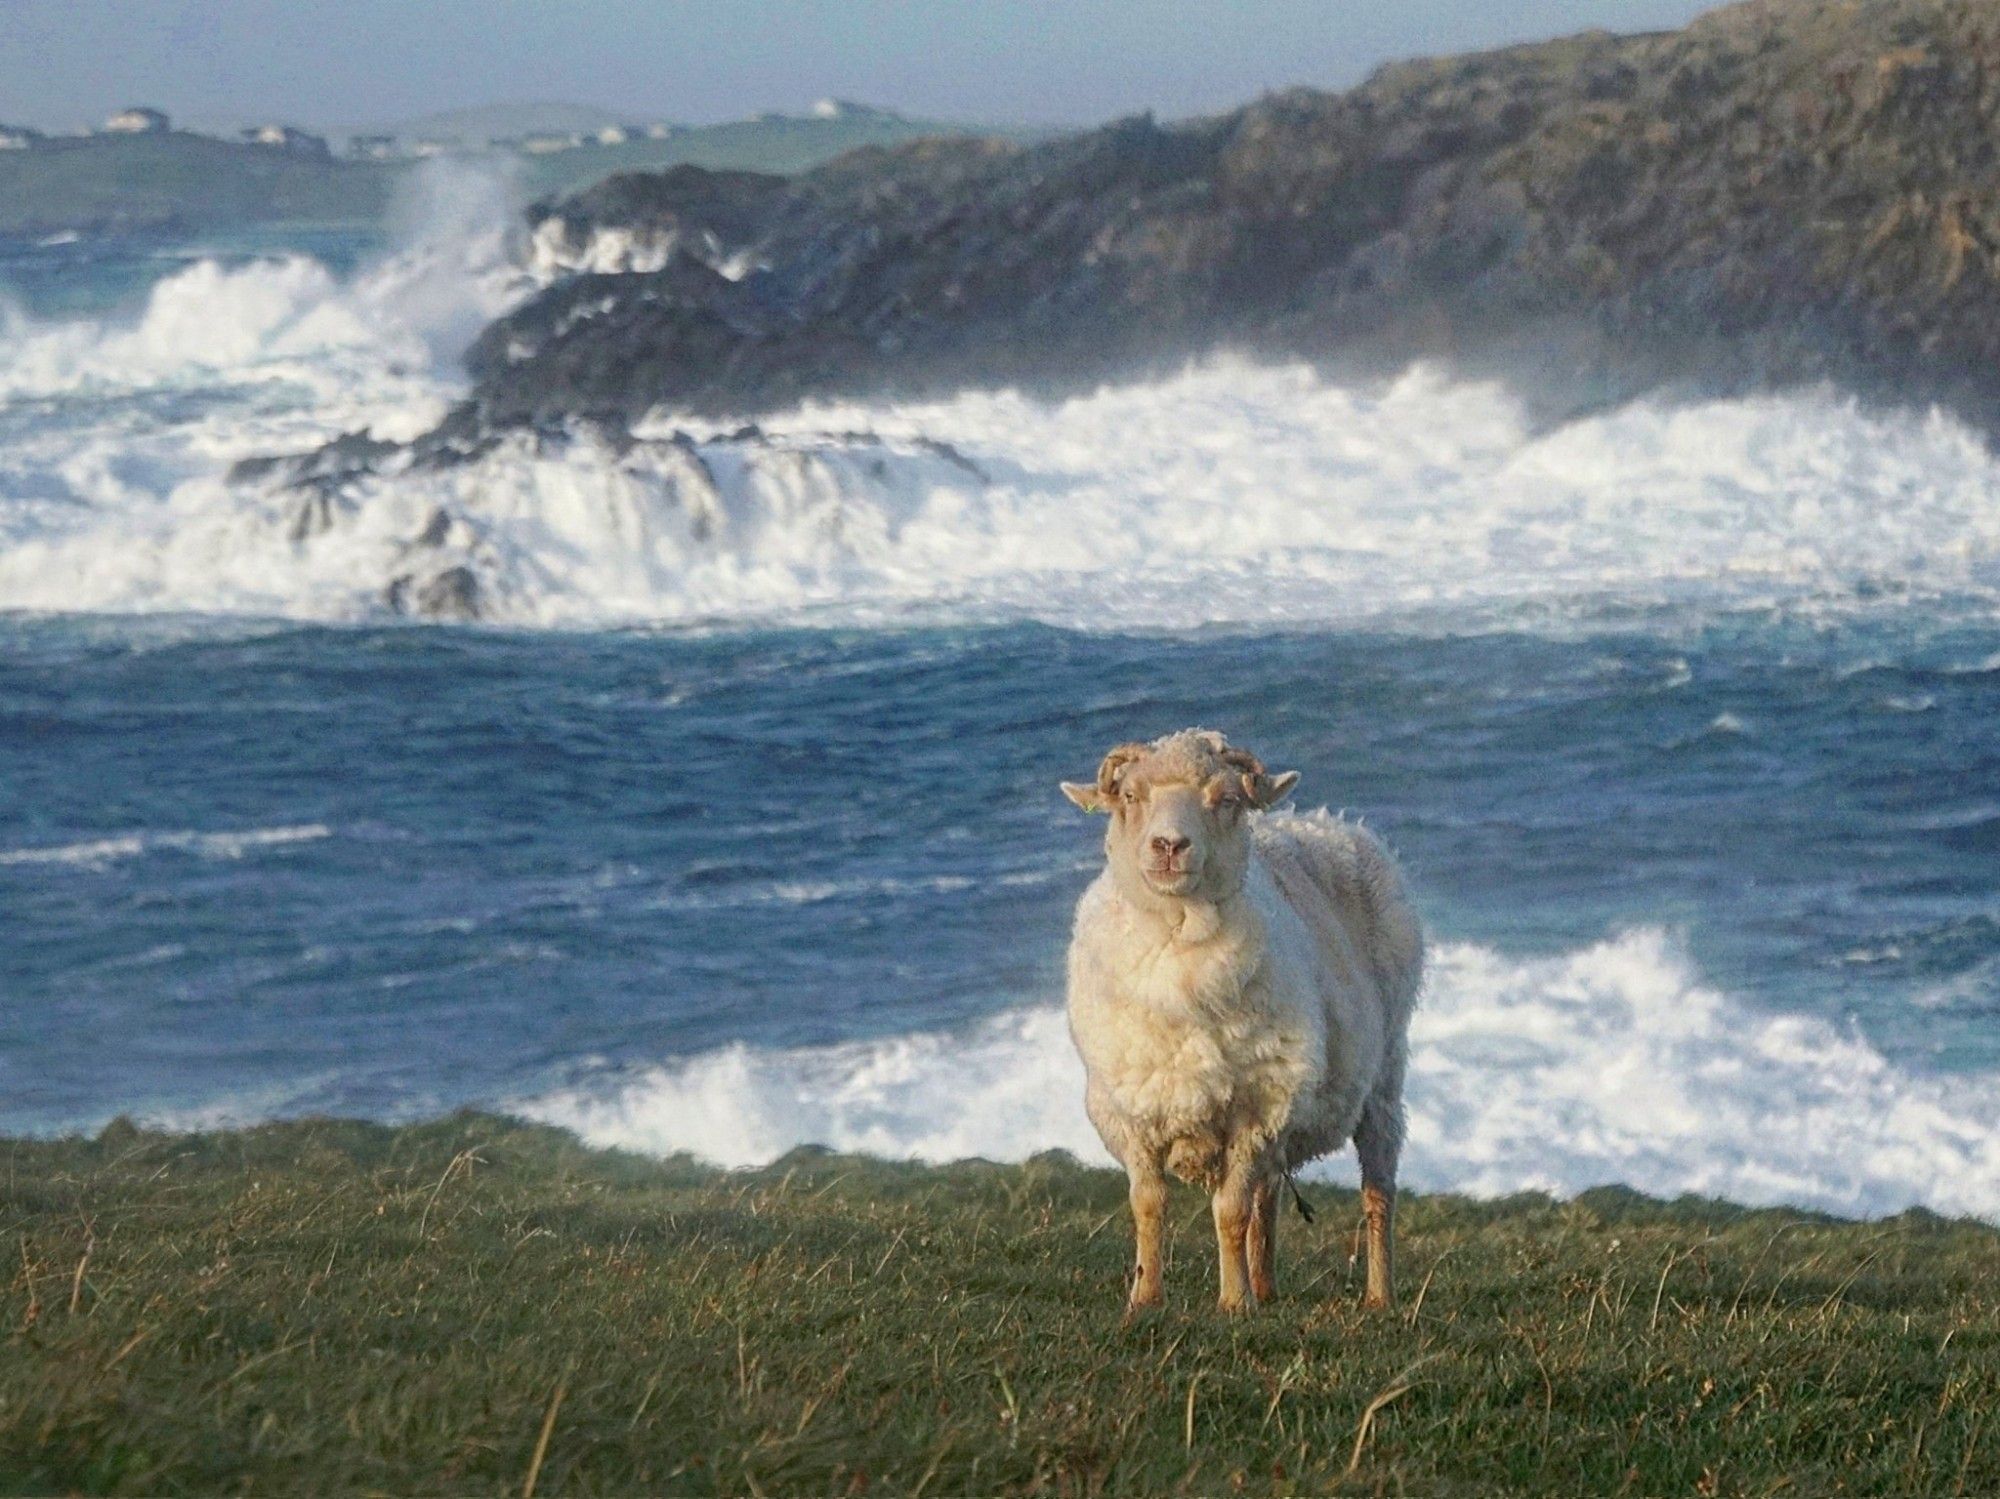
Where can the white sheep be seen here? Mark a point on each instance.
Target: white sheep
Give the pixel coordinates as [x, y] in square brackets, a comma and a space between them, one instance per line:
[1240, 988]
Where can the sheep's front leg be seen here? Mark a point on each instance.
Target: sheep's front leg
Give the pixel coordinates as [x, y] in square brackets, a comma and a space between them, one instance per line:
[1149, 1209]
[1262, 1247]
[1235, 1207]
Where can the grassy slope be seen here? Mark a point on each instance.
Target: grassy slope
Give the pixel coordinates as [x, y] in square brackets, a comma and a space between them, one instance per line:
[188, 183]
[330, 1307]
[780, 145]
[182, 183]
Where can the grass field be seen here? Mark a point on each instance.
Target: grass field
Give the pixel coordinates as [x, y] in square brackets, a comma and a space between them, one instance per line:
[477, 1306]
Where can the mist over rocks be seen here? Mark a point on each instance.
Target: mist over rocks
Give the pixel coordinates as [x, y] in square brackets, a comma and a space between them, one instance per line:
[1784, 191]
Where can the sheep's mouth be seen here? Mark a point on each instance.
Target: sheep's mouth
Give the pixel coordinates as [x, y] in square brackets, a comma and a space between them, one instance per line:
[1169, 881]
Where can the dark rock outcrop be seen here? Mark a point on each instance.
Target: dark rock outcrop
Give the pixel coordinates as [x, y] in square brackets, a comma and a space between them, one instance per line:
[730, 207]
[446, 567]
[1785, 190]
[449, 595]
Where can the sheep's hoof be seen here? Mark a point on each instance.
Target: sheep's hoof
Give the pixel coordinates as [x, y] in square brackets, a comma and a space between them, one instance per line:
[1239, 1306]
[1377, 1302]
[1145, 1294]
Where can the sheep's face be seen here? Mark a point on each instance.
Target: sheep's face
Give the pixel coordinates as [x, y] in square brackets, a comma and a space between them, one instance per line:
[1178, 814]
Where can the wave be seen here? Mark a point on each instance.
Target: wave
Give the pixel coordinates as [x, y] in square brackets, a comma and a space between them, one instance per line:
[99, 853]
[1231, 493]
[1616, 1062]
[288, 318]
[557, 249]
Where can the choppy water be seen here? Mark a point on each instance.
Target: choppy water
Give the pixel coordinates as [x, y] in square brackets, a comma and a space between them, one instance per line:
[1682, 717]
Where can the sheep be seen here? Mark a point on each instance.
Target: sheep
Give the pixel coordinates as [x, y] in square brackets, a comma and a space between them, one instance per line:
[1240, 989]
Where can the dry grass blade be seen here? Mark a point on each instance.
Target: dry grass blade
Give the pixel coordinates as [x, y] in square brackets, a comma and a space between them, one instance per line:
[1827, 1306]
[1417, 1306]
[1736, 1302]
[1672, 1260]
[542, 1443]
[1398, 1387]
[76, 1281]
[466, 1158]
[34, 1311]
[889, 1253]
[126, 1347]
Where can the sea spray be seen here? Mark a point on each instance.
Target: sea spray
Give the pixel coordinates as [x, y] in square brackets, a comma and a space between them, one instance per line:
[1616, 1062]
[1230, 493]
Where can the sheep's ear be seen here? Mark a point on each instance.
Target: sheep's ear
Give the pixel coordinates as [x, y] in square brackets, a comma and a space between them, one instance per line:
[1086, 797]
[1270, 790]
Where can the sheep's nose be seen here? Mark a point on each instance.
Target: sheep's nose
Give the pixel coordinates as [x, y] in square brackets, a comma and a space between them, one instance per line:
[1168, 848]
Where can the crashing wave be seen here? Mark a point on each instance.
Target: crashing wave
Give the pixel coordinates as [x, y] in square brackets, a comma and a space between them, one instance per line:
[558, 247]
[1230, 492]
[1615, 1062]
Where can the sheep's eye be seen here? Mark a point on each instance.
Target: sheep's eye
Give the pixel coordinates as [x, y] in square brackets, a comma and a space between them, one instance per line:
[1128, 796]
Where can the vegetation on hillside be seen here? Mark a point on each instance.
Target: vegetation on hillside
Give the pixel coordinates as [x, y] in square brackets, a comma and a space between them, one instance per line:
[476, 1305]
[182, 183]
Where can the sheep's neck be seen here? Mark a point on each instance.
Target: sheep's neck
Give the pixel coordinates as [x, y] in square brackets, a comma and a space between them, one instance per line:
[1194, 923]
[1191, 958]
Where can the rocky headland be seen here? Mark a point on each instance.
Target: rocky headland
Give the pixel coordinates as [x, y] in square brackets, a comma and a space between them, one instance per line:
[1786, 190]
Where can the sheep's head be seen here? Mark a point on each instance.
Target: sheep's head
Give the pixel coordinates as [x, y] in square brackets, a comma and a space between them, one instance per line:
[1178, 814]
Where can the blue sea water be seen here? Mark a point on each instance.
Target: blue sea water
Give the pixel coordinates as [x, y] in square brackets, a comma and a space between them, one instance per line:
[1703, 814]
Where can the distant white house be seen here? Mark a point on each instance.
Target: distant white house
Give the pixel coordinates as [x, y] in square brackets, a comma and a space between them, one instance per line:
[436, 145]
[372, 147]
[138, 121]
[17, 137]
[548, 144]
[288, 138]
[614, 135]
[660, 131]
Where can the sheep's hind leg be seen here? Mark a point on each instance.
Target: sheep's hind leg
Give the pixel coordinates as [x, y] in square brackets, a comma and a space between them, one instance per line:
[1262, 1246]
[1234, 1205]
[1149, 1206]
[1378, 1141]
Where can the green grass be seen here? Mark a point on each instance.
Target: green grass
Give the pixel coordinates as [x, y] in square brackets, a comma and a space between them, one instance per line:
[187, 183]
[780, 145]
[181, 182]
[336, 1307]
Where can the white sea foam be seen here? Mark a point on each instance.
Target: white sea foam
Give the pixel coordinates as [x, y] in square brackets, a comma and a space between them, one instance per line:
[97, 853]
[289, 319]
[305, 1095]
[1616, 1062]
[1228, 493]
[554, 251]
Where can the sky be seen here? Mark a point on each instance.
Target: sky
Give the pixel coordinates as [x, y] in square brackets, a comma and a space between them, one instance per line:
[334, 64]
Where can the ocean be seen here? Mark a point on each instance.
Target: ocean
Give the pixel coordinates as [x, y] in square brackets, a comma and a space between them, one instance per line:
[733, 828]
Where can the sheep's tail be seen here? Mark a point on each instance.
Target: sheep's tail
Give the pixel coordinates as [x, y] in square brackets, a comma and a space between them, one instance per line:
[1299, 1198]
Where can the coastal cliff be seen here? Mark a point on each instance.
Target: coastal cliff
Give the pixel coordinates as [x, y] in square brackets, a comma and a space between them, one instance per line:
[1784, 191]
